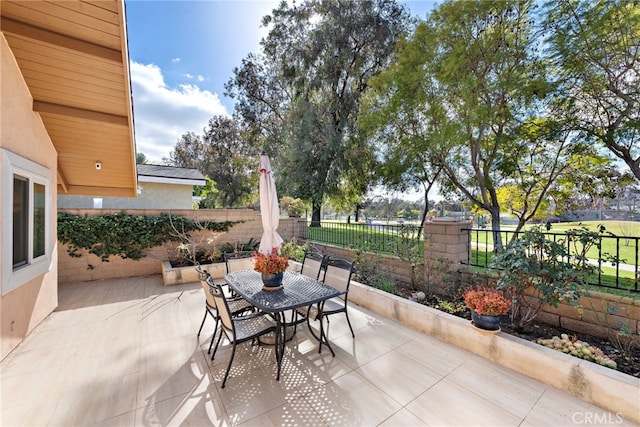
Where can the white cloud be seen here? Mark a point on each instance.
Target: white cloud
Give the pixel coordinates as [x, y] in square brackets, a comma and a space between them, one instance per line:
[163, 114]
[174, 60]
[199, 77]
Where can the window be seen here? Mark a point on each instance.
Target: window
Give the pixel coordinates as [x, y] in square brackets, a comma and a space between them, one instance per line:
[25, 227]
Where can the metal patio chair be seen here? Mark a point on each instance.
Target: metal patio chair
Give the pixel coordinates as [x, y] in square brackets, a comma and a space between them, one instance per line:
[238, 329]
[338, 275]
[313, 267]
[237, 261]
[316, 269]
[237, 306]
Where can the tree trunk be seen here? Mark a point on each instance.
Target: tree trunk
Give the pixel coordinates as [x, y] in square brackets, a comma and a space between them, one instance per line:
[495, 227]
[315, 213]
[425, 211]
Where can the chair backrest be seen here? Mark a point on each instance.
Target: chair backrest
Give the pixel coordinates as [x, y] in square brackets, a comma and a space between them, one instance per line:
[312, 267]
[237, 263]
[204, 277]
[221, 304]
[338, 275]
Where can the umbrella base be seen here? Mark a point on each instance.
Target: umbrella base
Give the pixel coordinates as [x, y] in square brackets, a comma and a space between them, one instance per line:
[272, 288]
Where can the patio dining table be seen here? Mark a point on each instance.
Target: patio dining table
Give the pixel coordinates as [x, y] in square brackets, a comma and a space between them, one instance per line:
[297, 291]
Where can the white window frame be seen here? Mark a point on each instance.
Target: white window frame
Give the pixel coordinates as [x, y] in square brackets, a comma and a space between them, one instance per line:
[13, 164]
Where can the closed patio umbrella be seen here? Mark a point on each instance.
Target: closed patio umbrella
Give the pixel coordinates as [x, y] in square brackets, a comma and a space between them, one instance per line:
[269, 208]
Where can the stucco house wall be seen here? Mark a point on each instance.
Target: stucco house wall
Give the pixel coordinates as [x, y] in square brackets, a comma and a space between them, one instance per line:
[22, 133]
[159, 187]
[152, 195]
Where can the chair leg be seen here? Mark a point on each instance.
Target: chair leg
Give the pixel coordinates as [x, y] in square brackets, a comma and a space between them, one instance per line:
[206, 310]
[294, 319]
[217, 344]
[325, 336]
[349, 323]
[322, 334]
[215, 329]
[233, 352]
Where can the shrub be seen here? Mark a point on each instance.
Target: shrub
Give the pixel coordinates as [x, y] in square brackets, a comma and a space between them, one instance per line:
[293, 250]
[554, 270]
[384, 283]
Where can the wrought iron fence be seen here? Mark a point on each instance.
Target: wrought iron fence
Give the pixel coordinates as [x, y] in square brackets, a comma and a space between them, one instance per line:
[396, 239]
[373, 237]
[625, 275]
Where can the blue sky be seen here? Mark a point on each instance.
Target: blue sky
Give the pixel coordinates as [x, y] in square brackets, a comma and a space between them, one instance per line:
[181, 55]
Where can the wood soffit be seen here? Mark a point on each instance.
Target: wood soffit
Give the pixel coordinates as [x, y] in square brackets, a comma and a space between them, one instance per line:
[73, 56]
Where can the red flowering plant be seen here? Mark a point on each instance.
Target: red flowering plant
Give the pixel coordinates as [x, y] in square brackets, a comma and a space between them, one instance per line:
[487, 301]
[272, 263]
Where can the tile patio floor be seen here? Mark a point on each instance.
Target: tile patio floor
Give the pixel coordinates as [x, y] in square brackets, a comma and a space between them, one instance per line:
[125, 353]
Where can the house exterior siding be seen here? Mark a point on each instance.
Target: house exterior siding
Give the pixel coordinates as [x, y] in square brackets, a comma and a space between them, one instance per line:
[23, 134]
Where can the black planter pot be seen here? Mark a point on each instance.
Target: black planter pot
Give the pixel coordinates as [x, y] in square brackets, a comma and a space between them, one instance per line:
[486, 321]
[272, 282]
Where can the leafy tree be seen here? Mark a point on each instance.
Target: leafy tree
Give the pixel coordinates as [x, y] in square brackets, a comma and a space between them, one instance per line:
[544, 156]
[232, 162]
[209, 194]
[225, 156]
[301, 94]
[294, 207]
[393, 115]
[476, 80]
[189, 152]
[488, 78]
[141, 159]
[513, 198]
[595, 46]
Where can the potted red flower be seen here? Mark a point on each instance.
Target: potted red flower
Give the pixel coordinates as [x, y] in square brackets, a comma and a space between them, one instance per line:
[486, 305]
[272, 266]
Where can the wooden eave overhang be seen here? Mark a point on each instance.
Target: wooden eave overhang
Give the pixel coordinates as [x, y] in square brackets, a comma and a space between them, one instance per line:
[73, 56]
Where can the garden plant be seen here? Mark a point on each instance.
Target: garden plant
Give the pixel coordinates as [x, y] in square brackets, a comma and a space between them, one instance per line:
[535, 270]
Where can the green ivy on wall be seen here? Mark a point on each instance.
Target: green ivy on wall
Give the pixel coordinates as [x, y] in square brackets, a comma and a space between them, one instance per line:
[124, 235]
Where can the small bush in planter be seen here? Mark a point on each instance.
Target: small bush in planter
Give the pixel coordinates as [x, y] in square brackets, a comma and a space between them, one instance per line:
[577, 348]
[293, 250]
